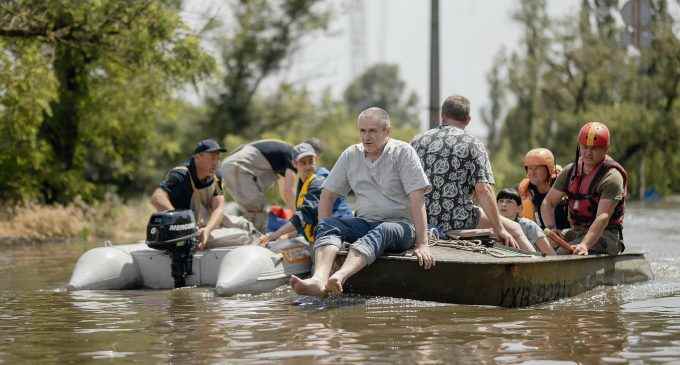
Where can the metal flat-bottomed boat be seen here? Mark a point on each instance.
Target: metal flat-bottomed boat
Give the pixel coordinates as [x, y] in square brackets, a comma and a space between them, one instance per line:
[494, 275]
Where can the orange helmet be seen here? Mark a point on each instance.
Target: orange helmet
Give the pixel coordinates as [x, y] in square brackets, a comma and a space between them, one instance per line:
[594, 134]
[540, 157]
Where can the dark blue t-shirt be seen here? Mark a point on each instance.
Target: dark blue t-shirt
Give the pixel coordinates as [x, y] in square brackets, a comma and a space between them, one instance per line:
[178, 185]
[278, 154]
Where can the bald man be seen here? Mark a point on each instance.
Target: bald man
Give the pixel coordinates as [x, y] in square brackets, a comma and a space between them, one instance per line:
[389, 183]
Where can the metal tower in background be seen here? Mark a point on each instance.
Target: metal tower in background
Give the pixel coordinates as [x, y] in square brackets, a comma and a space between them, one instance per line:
[357, 36]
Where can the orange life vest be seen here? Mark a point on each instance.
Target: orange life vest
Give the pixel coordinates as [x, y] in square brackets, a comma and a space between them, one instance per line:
[531, 205]
[528, 208]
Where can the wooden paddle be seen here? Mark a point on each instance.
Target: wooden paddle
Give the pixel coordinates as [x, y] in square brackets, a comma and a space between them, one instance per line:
[557, 238]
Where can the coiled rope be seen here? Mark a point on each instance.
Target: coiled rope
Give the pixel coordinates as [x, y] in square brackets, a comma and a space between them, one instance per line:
[474, 246]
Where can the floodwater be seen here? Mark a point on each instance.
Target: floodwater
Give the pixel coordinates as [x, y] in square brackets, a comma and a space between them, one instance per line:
[42, 323]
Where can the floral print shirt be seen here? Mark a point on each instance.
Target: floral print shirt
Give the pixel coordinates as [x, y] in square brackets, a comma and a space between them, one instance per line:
[454, 162]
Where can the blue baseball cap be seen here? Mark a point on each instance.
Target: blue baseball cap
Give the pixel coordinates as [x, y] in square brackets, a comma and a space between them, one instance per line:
[208, 145]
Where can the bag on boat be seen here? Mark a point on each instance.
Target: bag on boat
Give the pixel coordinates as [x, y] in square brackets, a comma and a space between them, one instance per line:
[296, 253]
[227, 237]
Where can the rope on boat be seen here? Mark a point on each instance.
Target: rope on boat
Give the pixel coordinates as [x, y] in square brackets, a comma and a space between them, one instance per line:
[474, 246]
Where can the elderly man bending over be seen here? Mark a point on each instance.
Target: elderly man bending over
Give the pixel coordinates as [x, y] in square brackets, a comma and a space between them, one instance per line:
[388, 180]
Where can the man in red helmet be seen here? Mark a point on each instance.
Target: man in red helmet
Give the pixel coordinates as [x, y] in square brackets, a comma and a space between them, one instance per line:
[539, 164]
[595, 186]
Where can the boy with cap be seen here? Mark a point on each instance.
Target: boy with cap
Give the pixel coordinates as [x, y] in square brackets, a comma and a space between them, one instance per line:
[509, 206]
[307, 197]
[196, 184]
[340, 208]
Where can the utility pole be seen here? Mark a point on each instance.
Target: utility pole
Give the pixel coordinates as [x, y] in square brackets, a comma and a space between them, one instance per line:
[434, 64]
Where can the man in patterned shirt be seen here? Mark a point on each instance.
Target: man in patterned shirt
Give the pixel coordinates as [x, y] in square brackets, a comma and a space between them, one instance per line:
[458, 166]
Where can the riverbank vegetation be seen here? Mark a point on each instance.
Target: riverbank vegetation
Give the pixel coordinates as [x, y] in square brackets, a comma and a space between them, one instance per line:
[108, 219]
[584, 67]
[94, 107]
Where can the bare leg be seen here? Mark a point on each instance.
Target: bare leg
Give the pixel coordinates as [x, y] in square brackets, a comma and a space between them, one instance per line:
[316, 285]
[353, 263]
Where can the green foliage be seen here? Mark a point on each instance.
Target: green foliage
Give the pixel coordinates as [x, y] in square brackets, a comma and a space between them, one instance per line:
[327, 119]
[88, 93]
[83, 86]
[264, 36]
[380, 85]
[574, 70]
[26, 89]
[491, 115]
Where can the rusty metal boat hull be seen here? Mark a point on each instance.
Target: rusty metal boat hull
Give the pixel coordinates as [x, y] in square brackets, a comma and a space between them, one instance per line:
[465, 277]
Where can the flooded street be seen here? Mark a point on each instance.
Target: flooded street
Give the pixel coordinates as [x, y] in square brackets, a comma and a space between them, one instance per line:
[42, 323]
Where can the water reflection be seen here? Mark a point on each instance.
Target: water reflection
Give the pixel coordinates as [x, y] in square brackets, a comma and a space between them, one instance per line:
[39, 323]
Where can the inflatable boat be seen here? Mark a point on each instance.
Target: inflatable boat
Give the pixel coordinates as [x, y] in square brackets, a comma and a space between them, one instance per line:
[230, 270]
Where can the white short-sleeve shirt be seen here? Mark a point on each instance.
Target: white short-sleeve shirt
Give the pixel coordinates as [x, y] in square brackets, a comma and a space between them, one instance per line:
[381, 186]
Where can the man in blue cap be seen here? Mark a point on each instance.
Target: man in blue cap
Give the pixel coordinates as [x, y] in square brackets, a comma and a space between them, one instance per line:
[196, 184]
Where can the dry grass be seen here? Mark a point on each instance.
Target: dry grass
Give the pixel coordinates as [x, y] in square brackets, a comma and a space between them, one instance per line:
[108, 220]
[118, 222]
[34, 222]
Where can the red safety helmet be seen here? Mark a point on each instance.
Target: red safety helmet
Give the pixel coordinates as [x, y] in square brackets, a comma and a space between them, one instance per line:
[594, 134]
[540, 157]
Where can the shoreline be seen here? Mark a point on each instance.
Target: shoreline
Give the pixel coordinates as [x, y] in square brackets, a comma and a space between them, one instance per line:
[111, 219]
[116, 221]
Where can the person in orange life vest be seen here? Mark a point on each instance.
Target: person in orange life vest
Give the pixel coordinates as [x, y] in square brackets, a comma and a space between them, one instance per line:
[541, 170]
[305, 218]
[595, 186]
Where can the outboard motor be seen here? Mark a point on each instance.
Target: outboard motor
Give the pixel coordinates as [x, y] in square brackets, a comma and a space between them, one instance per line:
[175, 233]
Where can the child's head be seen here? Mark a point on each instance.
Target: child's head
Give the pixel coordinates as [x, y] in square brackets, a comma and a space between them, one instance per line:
[304, 160]
[509, 203]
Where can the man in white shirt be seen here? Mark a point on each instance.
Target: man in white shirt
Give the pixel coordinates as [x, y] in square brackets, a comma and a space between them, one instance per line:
[389, 183]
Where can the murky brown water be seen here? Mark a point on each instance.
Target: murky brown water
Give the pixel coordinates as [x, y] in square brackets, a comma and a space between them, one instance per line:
[40, 323]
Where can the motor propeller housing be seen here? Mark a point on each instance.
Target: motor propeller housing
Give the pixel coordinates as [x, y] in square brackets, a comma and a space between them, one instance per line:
[174, 232]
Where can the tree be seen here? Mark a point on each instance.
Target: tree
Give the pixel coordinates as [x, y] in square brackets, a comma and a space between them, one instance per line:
[83, 85]
[265, 35]
[583, 73]
[491, 115]
[381, 85]
[524, 122]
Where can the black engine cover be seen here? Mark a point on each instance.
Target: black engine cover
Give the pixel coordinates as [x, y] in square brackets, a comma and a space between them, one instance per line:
[168, 230]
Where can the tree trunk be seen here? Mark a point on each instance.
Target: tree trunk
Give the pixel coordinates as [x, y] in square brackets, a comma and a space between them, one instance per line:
[61, 128]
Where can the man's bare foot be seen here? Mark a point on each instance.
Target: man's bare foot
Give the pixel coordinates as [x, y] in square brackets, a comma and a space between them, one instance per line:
[311, 286]
[334, 285]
